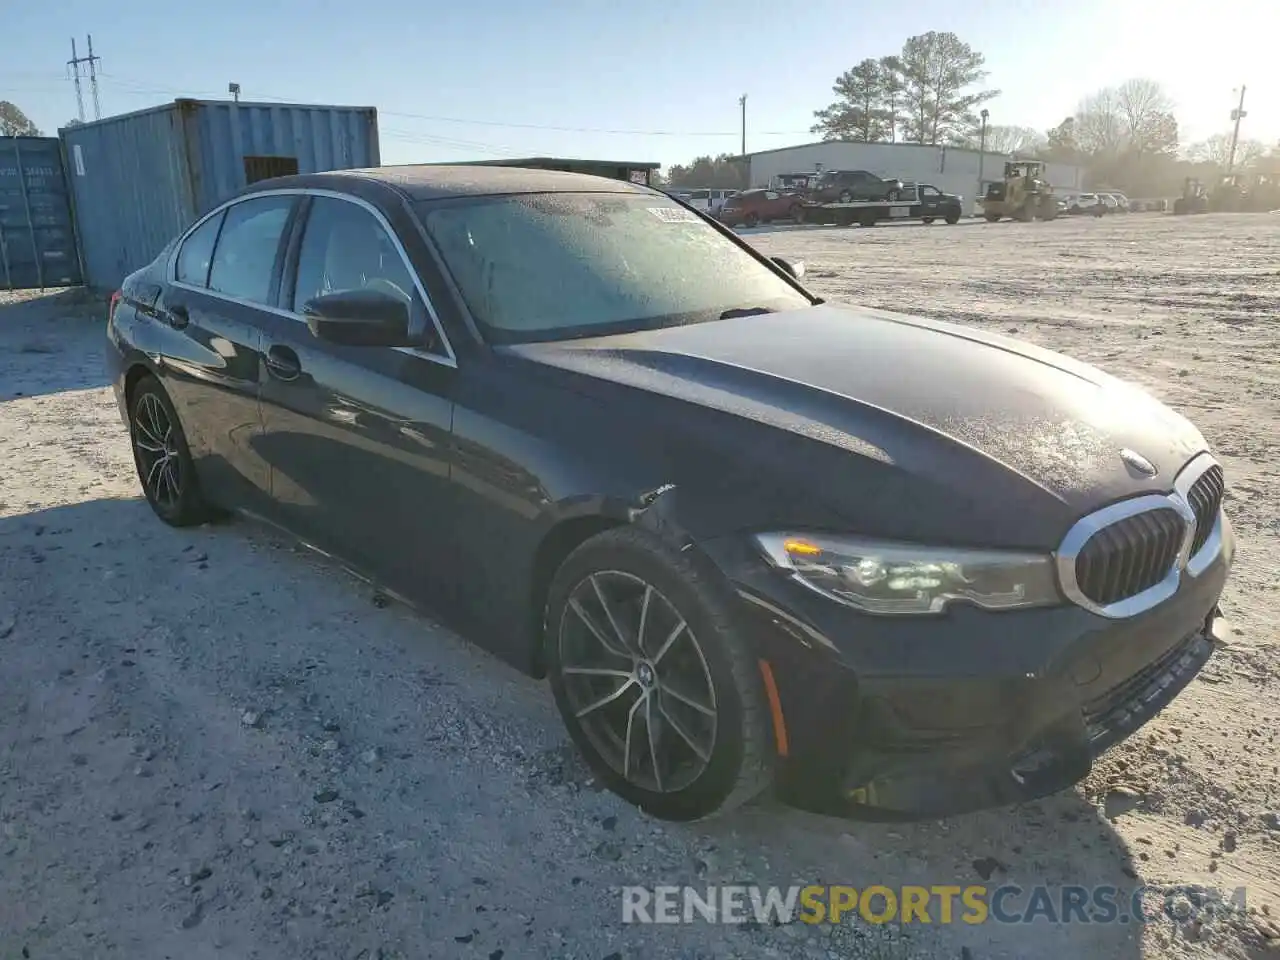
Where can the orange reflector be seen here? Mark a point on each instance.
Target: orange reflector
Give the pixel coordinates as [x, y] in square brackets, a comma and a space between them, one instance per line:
[775, 708]
[802, 547]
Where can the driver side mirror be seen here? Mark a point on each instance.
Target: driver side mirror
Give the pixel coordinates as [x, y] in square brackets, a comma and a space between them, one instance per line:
[360, 318]
[794, 268]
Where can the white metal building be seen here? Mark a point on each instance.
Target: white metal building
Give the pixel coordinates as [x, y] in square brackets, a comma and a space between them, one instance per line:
[950, 169]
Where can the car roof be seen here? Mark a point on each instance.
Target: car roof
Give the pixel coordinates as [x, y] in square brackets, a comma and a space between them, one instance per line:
[439, 182]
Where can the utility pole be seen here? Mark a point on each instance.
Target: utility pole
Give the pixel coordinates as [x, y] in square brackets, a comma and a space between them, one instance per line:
[742, 102]
[1237, 115]
[93, 79]
[982, 157]
[74, 64]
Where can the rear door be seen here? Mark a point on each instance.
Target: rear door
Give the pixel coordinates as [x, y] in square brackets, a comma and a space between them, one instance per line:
[358, 437]
[223, 281]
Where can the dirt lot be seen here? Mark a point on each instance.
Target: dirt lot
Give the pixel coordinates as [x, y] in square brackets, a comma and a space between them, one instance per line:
[213, 744]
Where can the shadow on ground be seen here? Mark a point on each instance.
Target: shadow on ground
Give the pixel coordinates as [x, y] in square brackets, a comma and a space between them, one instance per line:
[67, 327]
[185, 627]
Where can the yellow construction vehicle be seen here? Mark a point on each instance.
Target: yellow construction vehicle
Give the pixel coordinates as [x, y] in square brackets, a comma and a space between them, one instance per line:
[1024, 195]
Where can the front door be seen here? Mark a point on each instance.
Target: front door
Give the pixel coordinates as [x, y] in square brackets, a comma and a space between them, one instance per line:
[358, 437]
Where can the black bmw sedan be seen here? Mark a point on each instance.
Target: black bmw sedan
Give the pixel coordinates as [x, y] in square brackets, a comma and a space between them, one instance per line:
[890, 567]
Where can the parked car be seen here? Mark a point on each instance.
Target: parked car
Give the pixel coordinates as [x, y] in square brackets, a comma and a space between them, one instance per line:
[1084, 203]
[1109, 203]
[751, 537]
[708, 201]
[752, 207]
[845, 186]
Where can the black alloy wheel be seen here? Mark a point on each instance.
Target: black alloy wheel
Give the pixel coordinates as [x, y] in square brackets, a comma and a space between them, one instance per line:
[657, 691]
[162, 458]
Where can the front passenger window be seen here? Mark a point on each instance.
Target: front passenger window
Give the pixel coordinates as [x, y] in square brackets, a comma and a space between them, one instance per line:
[345, 248]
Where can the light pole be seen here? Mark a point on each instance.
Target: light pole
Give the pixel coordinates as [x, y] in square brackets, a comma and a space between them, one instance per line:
[982, 154]
[1237, 115]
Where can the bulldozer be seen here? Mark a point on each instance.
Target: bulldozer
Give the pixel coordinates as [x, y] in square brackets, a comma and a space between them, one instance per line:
[1024, 195]
[1193, 199]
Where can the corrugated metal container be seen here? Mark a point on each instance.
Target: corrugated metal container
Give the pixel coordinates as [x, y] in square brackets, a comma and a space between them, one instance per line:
[37, 242]
[140, 178]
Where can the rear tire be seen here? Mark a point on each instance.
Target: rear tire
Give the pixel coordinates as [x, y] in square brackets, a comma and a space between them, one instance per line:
[163, 459]
[991, 217]
[642, 620]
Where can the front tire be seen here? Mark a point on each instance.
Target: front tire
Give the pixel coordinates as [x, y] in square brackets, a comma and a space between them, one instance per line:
[655, 686]
[163, 459]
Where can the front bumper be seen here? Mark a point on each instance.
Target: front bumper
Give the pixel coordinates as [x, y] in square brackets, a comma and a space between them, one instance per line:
[913, 718]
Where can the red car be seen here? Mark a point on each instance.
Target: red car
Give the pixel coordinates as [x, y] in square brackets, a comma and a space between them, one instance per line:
[752, 207]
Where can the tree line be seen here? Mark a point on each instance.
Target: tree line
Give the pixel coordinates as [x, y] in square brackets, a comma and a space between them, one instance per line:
[932, 91]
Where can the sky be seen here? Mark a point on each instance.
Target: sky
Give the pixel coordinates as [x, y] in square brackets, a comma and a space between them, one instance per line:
[621, 81]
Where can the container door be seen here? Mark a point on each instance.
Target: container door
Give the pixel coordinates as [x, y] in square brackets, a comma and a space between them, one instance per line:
[37, 241]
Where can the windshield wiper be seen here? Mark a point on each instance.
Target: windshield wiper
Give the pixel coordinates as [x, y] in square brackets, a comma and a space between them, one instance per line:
[733, 312]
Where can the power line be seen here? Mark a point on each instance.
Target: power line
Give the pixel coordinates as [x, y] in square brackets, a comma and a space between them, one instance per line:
[512, 125]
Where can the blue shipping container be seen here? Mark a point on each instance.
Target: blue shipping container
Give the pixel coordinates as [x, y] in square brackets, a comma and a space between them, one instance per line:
[37, 242]
[138, 179]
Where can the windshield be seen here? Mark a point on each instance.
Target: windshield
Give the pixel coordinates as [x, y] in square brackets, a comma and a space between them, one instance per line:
[562, 265]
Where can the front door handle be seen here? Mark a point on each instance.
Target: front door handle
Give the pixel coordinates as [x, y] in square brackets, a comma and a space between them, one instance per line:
[283, 363]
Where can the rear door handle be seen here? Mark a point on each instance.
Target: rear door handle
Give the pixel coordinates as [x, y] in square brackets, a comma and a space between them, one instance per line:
[283, 363]
[177, 316]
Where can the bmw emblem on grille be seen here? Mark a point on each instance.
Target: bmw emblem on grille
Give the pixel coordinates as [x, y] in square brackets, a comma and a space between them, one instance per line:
[1138, 463]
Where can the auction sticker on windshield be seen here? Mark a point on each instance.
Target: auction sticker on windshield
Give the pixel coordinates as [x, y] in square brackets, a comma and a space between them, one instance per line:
[674, 214]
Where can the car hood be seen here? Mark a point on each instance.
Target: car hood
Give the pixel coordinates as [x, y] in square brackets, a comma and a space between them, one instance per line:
[894, 387]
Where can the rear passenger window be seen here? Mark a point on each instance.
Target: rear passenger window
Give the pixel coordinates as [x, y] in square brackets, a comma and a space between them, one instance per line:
[197, 251]
[245, 258]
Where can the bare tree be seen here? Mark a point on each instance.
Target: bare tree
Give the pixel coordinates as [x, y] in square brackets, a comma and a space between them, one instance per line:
[1003, 138]
[1099, 127]
[858, 112]
[938, 72]
[1146, 111]
[15, 123]
[1217, 151]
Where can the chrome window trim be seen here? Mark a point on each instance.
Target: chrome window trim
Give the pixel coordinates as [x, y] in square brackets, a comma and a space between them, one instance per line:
[448, 358]
[1192, 566]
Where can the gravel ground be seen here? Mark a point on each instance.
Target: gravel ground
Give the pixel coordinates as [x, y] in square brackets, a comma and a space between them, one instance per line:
[215, 744]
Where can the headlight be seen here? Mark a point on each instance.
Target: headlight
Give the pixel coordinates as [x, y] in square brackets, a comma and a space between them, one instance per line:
[900, 578]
